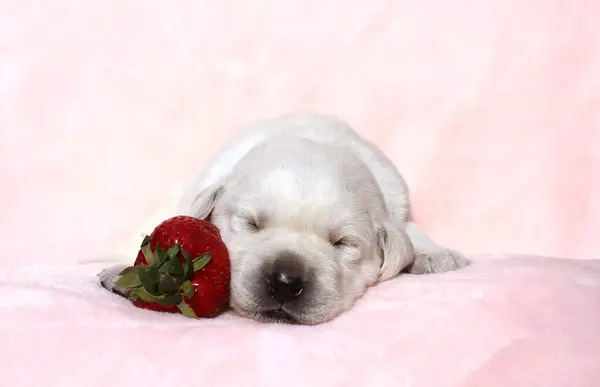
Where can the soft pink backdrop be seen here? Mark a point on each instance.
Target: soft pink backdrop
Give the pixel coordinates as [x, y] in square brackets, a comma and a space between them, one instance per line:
[490, 108]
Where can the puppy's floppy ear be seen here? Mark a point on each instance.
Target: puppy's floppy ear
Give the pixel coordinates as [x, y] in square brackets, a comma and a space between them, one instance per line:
[204, 202]
[396, 249]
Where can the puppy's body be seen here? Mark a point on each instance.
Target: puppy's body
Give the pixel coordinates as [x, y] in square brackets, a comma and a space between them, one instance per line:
[312, 215]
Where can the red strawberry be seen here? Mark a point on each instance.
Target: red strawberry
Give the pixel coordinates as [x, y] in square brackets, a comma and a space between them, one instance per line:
[183, 266]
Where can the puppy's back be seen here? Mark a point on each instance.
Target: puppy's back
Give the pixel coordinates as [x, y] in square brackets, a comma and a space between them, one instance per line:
[320, 128]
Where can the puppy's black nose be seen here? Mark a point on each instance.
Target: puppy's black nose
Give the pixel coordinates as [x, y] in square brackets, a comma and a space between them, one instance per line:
[286, 281]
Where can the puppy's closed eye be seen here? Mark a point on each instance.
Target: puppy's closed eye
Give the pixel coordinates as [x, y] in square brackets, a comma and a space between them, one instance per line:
[343, 243]
[253, 223]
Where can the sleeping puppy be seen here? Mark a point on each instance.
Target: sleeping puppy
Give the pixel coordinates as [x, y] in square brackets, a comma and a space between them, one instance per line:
[312, 216]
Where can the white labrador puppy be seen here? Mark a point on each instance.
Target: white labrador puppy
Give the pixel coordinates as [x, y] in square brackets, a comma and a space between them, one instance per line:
[312, 215]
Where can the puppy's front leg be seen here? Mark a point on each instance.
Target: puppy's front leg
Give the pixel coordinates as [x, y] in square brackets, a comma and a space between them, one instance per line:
[109, 277]
[429, 256]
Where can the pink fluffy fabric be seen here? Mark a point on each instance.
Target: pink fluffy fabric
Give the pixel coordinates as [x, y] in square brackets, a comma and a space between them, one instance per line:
[504, 321]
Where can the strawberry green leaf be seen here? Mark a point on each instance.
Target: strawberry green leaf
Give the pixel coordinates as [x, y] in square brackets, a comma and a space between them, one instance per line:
[129, 280]
[176, 268]
[147, 282]
[162, 254]
[201, 261]
[148, 254]
[188, 269]
[133, 294]
[153, 274]
[141, 294]
[145, 241]
[129, 269]
[186, 310]
[187, 289]
[172, 267]
[164, 268]
[168, 300]
[167, 285]
[173, 251]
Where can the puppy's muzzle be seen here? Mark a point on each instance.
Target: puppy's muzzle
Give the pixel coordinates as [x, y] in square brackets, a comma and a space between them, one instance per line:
[287, 279]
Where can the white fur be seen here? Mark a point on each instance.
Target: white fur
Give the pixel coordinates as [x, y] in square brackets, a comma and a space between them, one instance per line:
[306, 179]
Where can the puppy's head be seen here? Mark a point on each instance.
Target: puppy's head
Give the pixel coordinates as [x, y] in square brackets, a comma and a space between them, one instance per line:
[307, 231]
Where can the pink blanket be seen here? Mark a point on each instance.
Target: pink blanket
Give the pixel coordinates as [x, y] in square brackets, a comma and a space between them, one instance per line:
[505, 321]
[489, 108]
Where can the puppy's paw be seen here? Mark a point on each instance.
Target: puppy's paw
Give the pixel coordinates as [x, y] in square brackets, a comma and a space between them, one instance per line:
[438, 261]
[108, 278]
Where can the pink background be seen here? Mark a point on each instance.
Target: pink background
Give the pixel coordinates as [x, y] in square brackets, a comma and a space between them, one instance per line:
[490, 108]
